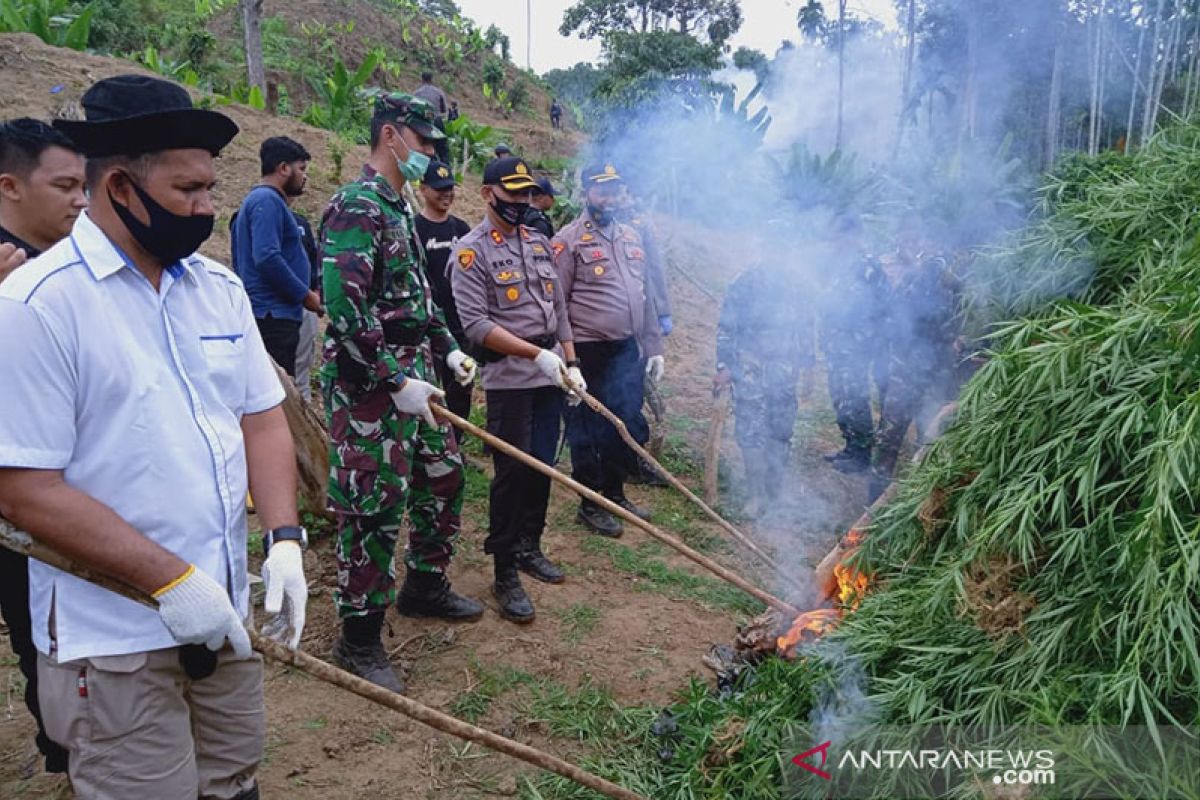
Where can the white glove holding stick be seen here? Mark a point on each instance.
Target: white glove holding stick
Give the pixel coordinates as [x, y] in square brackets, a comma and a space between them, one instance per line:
[413, 398]
[575, 379]
[463, 367]
[552, 367]
[196, 610]
[655, 367]
[287, 591]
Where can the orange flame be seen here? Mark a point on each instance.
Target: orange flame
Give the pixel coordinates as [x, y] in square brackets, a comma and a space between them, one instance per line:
[851, 587]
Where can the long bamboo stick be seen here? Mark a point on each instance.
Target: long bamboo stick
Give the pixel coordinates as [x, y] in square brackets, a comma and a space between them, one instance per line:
[594, 404]
[22, 543]
[613, 508]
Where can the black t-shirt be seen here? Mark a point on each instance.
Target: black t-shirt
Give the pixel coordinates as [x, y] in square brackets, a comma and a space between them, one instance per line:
[8, 237]
[438, 239]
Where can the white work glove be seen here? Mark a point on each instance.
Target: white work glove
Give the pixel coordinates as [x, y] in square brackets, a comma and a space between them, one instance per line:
[287, 591]
[413, 398]
[552, 367]
[575, 378]
[463, 367]
[655, 366]
[196, 610]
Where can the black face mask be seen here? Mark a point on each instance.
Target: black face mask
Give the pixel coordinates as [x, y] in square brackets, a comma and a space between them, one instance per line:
[512, 213]
[600, 216]
[169, 237]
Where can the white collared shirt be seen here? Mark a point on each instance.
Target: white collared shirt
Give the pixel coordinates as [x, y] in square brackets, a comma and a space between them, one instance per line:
[137, 396]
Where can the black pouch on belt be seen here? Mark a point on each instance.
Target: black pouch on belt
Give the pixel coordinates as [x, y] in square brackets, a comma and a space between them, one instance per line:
[198, 661]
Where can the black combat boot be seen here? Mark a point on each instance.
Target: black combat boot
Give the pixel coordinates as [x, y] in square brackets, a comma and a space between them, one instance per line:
[428, 594]
[646, 475]
[533, 562]
[249, 794]
[359, 650]
[852, 460]
[599, 520]
[515, 605]
[637, 511]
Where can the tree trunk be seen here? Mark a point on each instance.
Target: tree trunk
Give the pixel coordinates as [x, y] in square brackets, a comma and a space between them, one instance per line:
[1152, 76]
[256, 74]
[966, 130]
[1053, 116]
[1169, 57]
[1133, 89]
[906, 85]
[841, 97]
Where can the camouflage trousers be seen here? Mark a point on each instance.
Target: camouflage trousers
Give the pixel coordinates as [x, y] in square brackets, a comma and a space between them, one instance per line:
[765, 418]
[914, 393]
[383, 464]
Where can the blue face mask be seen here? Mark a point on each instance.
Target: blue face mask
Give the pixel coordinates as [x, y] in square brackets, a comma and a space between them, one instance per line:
[413, 168]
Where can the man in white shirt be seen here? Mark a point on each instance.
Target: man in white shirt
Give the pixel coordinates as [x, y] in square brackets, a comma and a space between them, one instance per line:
[138, 406]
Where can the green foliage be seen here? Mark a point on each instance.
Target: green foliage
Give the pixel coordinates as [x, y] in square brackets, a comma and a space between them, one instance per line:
[470, 143]
[493, 37]
[52, 21]
[713, 20]
[638, 63]
[341, 103]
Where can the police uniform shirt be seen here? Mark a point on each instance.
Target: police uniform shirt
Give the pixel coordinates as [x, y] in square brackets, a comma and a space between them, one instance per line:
[508, 281]
[603, 274]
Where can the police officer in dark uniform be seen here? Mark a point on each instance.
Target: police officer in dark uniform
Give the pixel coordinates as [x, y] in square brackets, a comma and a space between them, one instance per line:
[512, 306]
[602, 266]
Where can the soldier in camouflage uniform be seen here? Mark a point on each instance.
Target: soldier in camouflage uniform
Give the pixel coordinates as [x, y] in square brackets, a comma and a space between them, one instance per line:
[922, 325]
[855, 298]
[388, 453]
[764, 341]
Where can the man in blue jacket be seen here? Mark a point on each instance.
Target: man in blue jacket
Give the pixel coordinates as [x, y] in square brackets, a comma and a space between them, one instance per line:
[269, 250]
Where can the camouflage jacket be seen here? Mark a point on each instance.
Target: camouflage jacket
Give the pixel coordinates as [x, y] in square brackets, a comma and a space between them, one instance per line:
[766, 315]
[382, 318]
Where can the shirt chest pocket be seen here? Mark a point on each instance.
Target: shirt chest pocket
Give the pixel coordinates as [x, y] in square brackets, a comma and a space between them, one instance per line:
[225, 357]
[548, 279]
[635, 257]
[511, 289]
[394, 243]
[594, 264]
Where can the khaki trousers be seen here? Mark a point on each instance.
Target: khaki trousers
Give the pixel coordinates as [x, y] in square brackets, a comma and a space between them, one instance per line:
[137, 727]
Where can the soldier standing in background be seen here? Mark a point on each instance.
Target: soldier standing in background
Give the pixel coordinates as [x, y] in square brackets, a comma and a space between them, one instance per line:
[511, 305]
[602, 268]
[764, 342]
[850, 337]
[439, 231]
[922, 325]
[388, 452]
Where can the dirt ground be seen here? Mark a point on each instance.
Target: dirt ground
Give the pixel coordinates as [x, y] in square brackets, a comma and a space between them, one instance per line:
[633, 619]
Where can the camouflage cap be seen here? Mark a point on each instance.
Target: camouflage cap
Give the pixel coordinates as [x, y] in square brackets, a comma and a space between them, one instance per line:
[412, 111]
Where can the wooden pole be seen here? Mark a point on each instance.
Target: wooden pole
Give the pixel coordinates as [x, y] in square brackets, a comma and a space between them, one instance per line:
[312, 447]
[612, 508]
[617, 423]
[712, 446]
[21, 542]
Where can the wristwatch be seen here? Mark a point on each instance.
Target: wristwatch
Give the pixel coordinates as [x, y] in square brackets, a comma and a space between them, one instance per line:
[288, 533]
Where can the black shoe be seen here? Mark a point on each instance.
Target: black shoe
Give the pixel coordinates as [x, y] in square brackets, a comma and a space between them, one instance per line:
[647, 475]
[515, 605]
[535, 564]
[851, 463]
[599, 520]
[369, 662]
[637, 511]
[428, 594]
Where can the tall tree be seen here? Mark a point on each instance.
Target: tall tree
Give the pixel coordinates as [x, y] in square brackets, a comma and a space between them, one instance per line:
[711, 21]
[256, 75]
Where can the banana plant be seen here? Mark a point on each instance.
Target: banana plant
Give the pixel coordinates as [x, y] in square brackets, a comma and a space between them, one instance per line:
[470, 143]
[340, 94]
[48, 20]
